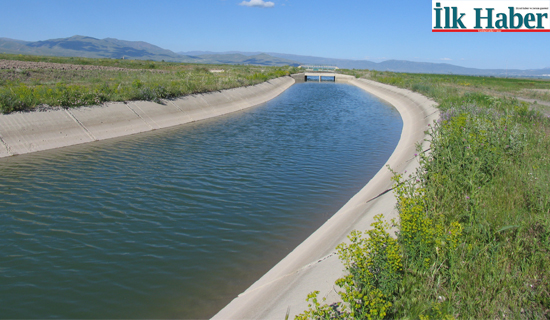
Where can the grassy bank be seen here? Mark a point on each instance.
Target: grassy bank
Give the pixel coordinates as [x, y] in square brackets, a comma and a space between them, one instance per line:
[473, 236]
[25, 89]
[442, 87]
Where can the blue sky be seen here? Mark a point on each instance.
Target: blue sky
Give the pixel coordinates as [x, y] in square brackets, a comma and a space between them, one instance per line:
[352, 29]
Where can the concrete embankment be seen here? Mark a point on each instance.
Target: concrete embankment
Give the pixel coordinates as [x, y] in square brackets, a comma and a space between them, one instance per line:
[313, 265]
[25, 132]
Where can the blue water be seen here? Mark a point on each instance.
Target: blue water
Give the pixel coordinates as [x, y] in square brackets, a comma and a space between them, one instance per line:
[175, 223]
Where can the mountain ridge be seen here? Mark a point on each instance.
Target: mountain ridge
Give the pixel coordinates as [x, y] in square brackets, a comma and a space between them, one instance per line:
[89, 47]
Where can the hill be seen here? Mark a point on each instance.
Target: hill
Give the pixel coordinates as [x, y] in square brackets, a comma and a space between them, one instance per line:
[88, 47]
[82, 46]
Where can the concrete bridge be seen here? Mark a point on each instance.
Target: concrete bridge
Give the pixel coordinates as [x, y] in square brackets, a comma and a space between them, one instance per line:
[321, 77]
[321, 68]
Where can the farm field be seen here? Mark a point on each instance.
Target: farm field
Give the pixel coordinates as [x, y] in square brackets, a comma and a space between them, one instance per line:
[27, 82]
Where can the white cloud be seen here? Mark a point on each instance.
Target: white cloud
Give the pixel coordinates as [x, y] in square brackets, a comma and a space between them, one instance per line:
[446, 59]
[258, 3]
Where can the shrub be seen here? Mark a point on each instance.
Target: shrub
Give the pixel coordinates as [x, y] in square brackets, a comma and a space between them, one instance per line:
[374, 266]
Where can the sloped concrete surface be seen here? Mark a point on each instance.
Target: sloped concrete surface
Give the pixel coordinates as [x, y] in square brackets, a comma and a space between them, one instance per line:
[25, 132]
[4, 152]
[314, 265]
[157, 115]
[193, 107]
[113, 119]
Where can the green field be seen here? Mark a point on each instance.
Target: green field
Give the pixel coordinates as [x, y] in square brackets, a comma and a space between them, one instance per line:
[442, 87]
[25, 89]
[473, 236]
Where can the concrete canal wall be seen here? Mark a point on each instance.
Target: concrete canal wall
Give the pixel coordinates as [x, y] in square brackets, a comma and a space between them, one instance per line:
[314, 265]
[25, 132]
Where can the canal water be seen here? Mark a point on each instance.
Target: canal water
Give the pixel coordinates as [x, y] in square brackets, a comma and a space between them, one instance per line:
[175, 223]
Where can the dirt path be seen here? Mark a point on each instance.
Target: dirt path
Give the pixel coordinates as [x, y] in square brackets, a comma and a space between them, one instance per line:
[542, 106]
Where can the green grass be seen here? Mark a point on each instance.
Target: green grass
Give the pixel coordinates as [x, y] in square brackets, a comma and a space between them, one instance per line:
[474, 220]
[22, 90]
[442, 87]
[465, 83]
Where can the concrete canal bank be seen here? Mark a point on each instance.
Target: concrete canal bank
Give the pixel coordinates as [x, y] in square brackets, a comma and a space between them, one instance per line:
[313, 265]
[25, 132]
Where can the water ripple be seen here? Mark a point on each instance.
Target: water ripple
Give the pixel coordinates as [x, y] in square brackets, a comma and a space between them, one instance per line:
[176, 222]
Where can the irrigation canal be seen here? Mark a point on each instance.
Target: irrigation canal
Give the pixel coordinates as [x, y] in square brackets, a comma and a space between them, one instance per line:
[176, 222]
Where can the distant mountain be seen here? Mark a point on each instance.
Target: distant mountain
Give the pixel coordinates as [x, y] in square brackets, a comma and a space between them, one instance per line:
[340, 63]
[199, 53]
[13, 40]
[445, 68]
[409, 66]
[391, 65]
[82, 46]
[237, 58]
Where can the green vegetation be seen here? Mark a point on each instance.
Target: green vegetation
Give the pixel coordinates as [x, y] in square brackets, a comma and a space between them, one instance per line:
[25, 89]
[374, 266]
[442, 87]
[473, 237]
